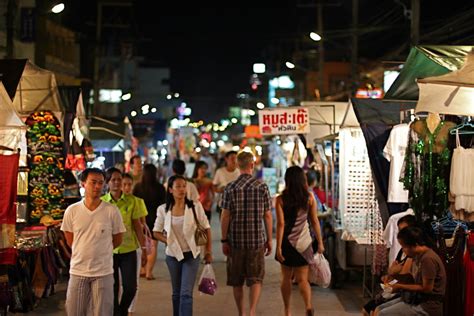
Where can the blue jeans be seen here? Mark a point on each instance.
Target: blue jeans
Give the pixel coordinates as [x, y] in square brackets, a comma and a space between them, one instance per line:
[183, 276]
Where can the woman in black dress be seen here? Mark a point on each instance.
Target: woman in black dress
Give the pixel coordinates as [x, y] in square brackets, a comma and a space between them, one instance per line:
[293, 208]
[153, 193]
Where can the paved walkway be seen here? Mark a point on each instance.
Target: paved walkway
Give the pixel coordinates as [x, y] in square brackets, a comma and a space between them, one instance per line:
[155, 296]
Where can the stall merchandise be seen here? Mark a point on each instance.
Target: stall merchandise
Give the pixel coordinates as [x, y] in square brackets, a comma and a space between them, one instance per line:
[43, 256]
[46, 182]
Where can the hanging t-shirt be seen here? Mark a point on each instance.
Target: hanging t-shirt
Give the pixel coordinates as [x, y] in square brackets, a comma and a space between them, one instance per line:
[390, 234]
[394, 152]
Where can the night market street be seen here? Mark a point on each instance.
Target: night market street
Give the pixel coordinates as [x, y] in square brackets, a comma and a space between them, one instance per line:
[155, 296]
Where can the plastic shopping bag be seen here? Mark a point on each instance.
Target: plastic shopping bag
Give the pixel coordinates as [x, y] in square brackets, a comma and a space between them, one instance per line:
[207, 282]
[319, 271]
[148, 239]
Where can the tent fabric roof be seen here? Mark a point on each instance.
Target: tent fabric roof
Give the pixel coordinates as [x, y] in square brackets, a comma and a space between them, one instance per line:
[452, 93]
[422, 62]
[36, 88]
[379, 111]
[327, 117]
[9, 117]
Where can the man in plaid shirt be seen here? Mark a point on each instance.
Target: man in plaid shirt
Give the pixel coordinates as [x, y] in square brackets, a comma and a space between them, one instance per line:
[246, 207]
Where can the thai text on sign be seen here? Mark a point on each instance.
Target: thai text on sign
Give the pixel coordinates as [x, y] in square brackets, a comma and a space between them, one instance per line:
[294, 120]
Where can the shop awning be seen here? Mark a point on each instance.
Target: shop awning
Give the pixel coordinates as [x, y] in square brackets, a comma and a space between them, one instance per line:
[105, 135]
[327, 117]
[452, 93]
[422, 62]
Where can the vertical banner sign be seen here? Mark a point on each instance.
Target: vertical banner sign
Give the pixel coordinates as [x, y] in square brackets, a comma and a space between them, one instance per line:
[284, 121]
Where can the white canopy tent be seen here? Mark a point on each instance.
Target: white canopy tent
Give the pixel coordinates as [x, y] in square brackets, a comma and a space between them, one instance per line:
[452, 93]
[326, 118]
[37, 90]
[12, 128]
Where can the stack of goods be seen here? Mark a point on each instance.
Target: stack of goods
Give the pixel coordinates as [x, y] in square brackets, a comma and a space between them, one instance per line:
[45, 161]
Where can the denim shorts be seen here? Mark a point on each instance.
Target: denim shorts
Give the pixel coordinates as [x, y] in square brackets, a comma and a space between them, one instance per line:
[245, 265]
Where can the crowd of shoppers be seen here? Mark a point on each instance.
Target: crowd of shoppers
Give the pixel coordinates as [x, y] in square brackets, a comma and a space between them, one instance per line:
[114, 239]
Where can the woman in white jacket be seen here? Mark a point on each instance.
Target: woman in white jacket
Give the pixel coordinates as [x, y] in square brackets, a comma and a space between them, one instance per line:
[175, 225]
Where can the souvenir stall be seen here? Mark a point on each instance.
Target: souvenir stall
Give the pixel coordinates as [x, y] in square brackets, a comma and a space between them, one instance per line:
[40, 250]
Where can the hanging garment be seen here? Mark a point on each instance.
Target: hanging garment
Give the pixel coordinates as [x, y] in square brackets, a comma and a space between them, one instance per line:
[8, 184]
[390, 234]
[426, 169]
[452, 258]
[469, 268]
[462, 177]
[394, 152]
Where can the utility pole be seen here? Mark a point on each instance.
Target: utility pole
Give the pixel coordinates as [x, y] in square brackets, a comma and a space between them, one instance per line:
[415, 22]
[98, 33]
[321, 48]
[355, 46]
[10, 20]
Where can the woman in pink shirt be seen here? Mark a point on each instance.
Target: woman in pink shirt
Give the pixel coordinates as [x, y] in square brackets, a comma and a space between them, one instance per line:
[204, 186]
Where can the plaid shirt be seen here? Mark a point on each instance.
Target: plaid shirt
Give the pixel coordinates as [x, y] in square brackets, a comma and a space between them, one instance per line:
[247, 199]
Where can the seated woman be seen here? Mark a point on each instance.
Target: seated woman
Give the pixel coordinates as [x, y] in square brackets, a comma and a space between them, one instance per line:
[399, 269]
[425, 296]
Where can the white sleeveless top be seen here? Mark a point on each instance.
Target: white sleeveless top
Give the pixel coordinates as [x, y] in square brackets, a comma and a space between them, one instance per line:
[177, 226]
[462, 177]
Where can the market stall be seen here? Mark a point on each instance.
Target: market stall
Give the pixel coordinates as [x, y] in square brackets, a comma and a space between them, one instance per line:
[39, 250]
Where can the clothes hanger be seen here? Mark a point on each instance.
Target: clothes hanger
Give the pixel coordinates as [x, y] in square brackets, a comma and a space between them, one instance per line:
[467, 123]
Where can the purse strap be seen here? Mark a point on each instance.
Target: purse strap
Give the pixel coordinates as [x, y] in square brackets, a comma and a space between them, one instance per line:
[198, 224]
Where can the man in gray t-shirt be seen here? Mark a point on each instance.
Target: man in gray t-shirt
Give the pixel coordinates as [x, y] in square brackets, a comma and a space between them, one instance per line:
[426, 295]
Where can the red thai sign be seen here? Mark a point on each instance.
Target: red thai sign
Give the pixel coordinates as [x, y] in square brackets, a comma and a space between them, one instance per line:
[284, 121]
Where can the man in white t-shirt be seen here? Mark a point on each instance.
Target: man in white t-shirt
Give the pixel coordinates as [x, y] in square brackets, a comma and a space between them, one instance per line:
[93, 228]
[224, 176]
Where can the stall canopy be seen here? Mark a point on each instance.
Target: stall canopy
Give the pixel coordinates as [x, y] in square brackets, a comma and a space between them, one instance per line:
[108, 136]
[12, 128]
[326, 118]
[422, 62]
[31, 88]
[452, 93]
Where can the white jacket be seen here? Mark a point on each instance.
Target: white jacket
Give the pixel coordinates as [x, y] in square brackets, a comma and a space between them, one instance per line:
[163, 224]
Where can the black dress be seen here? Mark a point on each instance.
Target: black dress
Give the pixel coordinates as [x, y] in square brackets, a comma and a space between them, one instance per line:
[293, 222]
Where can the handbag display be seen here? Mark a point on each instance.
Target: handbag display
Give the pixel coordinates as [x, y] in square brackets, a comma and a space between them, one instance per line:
[200, 235]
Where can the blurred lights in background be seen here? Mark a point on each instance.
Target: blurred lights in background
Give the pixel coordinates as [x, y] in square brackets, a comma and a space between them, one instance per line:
[260, 105]
[126, 96]
[133, 113]
[259, 68]
[275, 100]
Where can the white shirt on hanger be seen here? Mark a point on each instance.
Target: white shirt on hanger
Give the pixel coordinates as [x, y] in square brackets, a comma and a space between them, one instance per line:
[390, 234]
[394, 152]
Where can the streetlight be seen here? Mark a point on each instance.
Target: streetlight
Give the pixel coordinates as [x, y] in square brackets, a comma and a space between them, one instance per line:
[290, 65]
[315, 36]
[58, 8]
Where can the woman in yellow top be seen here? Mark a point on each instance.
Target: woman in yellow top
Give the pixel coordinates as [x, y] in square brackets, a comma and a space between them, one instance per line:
[125, 255]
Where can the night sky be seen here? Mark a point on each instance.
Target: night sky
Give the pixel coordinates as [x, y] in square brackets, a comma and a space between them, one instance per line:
[210, 51]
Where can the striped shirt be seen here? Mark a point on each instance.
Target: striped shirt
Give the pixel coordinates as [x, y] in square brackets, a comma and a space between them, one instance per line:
[247, 200]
